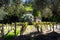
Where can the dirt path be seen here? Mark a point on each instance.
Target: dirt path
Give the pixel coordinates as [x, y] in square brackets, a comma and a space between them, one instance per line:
[31, 29]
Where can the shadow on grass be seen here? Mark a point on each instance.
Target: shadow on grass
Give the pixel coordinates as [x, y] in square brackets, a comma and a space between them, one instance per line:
[35, 36]
[9, 37]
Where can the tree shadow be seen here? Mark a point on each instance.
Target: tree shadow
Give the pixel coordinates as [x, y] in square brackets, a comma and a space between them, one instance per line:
[27, 37]
[49, 36]
[37, 36]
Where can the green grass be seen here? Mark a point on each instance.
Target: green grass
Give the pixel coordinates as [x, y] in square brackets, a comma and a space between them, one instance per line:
[10, 35]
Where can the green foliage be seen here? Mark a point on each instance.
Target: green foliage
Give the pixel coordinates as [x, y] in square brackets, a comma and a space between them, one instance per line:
[2, 13]
[40, 8]
[15, 11]
[38, 14]
[28, 8]
[47, 13]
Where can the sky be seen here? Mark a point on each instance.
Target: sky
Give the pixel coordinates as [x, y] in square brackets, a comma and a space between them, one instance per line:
[23, 0]
[11, 1]
[26, 0]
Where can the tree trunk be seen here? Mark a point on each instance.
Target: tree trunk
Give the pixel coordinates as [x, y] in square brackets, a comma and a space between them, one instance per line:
[56, 25]
[41, 29]
[50, 27]
[23, 29]
[6, 26]
[2, 31]
[53, 27]
[11, 26]
[15, 29]
[37, 28]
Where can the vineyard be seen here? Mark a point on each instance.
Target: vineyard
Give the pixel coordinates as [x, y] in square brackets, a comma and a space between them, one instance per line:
[7, 30]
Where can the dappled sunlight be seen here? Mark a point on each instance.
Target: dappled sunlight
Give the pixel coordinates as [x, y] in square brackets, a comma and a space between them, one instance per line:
[29, 20]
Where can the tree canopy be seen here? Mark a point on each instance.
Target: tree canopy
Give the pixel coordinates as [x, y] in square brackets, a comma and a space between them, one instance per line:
[44, 9]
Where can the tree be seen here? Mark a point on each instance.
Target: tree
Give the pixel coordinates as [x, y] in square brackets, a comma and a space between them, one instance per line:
[48, 8]
[38, 7]
[14, 11]
[47, 13]
[2, 14]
